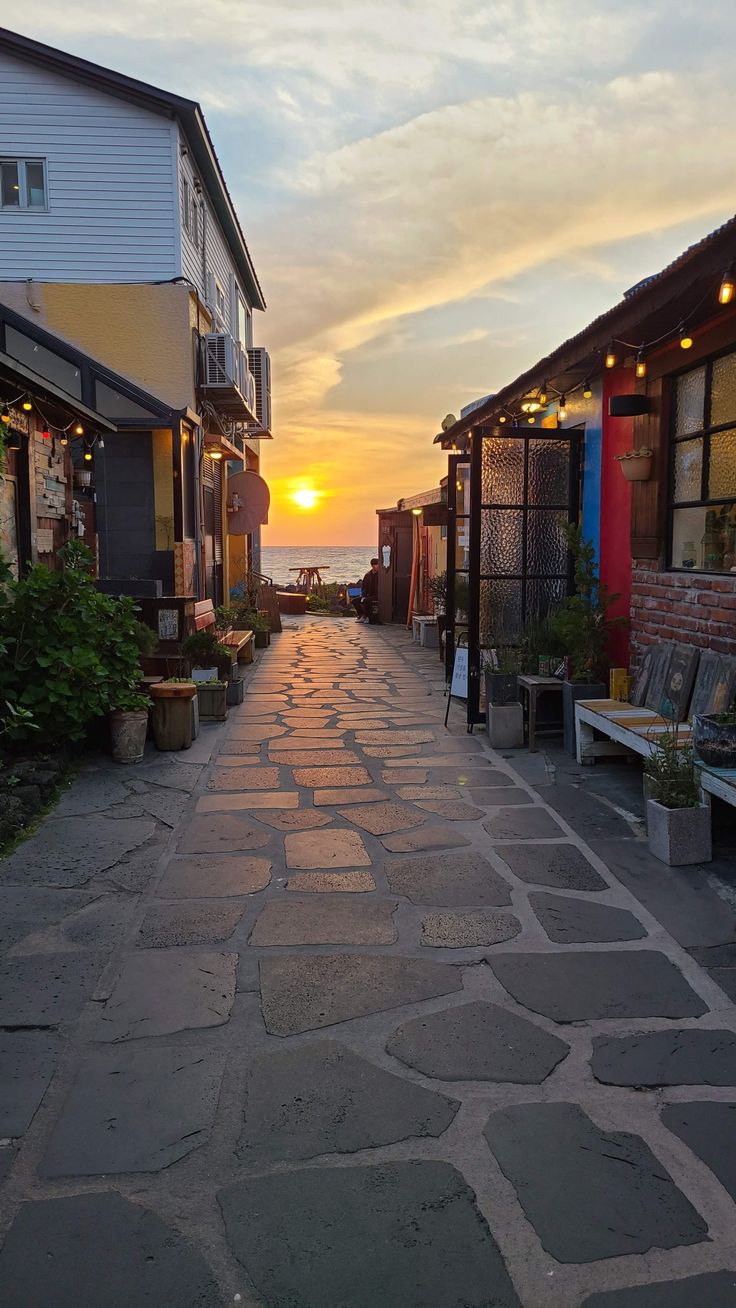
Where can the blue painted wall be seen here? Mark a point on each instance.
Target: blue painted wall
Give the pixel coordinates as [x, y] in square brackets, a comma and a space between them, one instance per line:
[590, 414]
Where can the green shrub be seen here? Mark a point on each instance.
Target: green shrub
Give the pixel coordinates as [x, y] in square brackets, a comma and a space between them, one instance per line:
[71, 652]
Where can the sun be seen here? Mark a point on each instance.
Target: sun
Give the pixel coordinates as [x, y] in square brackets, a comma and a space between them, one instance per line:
[305, 498]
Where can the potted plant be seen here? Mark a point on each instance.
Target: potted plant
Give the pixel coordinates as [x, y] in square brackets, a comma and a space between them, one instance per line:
[203, 649]
[502, 675]
[584, 628]
[128, 726]
[172, 712]
[261, 628]
[678, 822]
[636, 465]
[212, 696]
[714, 738]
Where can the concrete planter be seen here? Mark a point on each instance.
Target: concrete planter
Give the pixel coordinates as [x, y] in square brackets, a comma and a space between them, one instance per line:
[501, 687]
[128, 735]
[571, 692]
[679, 836]
[505, 725]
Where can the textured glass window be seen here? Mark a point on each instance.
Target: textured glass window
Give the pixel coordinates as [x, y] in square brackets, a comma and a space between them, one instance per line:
[502, 471]
[543, 595]
[549, 472]
[546, 545]
[690, 402]
[688, 470]
[501, 540]
[722, 469]
[500, 611]
[723, 391]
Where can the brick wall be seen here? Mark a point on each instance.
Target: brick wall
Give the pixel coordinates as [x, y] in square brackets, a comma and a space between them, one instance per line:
[694, 609]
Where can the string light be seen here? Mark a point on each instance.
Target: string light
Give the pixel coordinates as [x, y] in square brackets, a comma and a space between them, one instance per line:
[587, 390]
[46, 434]
[531, 420]
[78, 429]
[641, 364]
[727, 288]
[100, 442]
[5, 417]
[502, 418]
[64, 439]
[530, 404]
[543, 396]
[27, 405]
[562, 412]
[610, 356]
[88, 456]
[685, 339]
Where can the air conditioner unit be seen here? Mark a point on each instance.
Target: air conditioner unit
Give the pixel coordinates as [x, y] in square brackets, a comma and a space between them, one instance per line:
[260, 366]
[221, 361]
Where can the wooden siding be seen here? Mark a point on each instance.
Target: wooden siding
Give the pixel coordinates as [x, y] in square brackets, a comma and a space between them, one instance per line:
[210, 256]
[112, 212]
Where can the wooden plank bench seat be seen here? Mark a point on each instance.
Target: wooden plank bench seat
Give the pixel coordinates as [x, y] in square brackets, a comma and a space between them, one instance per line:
[608, 726]
[242, 644]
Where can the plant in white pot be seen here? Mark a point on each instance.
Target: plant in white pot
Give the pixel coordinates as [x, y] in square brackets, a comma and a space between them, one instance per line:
[678, 822]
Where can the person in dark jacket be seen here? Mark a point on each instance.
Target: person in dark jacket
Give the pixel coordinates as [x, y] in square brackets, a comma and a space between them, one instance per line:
[369, 594]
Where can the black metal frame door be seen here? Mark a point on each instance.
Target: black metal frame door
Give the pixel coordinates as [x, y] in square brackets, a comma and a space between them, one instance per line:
[458, 511]
[524, 485]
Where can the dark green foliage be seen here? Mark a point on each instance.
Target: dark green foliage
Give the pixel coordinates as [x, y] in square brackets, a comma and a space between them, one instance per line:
[71, 652]
[581, 623]
[203, 648]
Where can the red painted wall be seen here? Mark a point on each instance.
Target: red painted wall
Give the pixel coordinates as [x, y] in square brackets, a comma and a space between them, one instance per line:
[616, 564]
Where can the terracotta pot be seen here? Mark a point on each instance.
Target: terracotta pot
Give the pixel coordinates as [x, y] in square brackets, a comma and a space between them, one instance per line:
[637, 467]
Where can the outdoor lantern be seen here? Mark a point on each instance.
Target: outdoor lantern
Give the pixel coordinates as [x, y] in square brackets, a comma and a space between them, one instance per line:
[562, 412]
[214, 453]
[728, 286]
[641, 365]
[587, 390]
[27, 405]
[610, 356]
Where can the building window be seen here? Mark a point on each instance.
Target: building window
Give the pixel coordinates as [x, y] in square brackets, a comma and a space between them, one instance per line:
[23, 183]
[220, 303]
[45, 362]
[194, 229]
[186, 205]
[703, 474]
[243, 320]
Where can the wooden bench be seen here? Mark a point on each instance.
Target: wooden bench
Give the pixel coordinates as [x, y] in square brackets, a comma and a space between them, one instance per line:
[242, 644]
[606, 726]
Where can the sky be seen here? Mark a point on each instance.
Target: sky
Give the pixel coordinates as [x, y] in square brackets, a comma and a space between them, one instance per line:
[435, 194]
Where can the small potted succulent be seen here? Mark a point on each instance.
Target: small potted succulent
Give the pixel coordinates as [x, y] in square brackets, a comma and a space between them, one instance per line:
[636, 465]
[212, 696]
[678, 822]
[129, 725]
[172, 712]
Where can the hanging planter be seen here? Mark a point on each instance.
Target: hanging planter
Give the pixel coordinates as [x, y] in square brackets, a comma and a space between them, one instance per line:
[83, 478]
[636, 465]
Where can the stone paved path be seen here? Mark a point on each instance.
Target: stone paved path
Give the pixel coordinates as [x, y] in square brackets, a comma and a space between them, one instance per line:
[335, 1011]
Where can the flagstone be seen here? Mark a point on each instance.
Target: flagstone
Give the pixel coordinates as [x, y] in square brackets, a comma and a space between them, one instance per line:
[127, 1253]
[333, 777]
[221, 833]
[685, 1056]
[549, 1150]
[580, 986]
[448, 880]
[712, 1290]
[308, 991]
[206, 876]
[301, 819]
[324, 1099]
[71, 851]
[382, 818]
[137, 1110]
[190, 923]
[478, 1042]
[236, 777]
[28, 1061]
[341, 795]
[425, 838]
[425, 792]
[452, 809]
[563, 866]
[306, 757]
[329, 882]
[254, 731]
[528, 823]
[325, 921]
[390, 751]
[242, 748]
[326, 849]
[223, 802]
[27, 909]
[469, 929]
[388, 737]
[404, 775]
[570, 921]
[499, 796]
[435, 1247]
[709, 1130]
[160, 991]
[42, 990]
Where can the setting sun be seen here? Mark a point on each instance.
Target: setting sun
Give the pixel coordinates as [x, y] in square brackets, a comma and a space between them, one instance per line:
[305, 498]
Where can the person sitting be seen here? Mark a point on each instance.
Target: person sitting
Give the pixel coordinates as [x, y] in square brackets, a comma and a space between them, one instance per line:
[369, 594]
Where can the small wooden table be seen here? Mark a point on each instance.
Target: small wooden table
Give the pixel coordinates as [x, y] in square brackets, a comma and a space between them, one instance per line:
[534, 687]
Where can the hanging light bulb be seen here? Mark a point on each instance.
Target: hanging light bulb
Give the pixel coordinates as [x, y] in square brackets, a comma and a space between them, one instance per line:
[543, 396]
[587, 390]
[610, 356]
[502, 417]
[728, 285]
[100, 442]
[530, 404]
[531, 420]
[562, 411]
[686, 339]
[46, 434]
[641, 364]
[64, 439]
[5, 416]
[78, 429]
[87, 456]
[27, 405]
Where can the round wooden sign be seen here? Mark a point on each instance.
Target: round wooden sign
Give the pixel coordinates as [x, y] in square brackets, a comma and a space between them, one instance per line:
[248, 500]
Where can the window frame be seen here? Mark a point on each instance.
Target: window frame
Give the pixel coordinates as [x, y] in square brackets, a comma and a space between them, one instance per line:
[704, 432]
[21, 164]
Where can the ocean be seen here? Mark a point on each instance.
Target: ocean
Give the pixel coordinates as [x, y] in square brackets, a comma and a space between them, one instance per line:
[340, 562]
